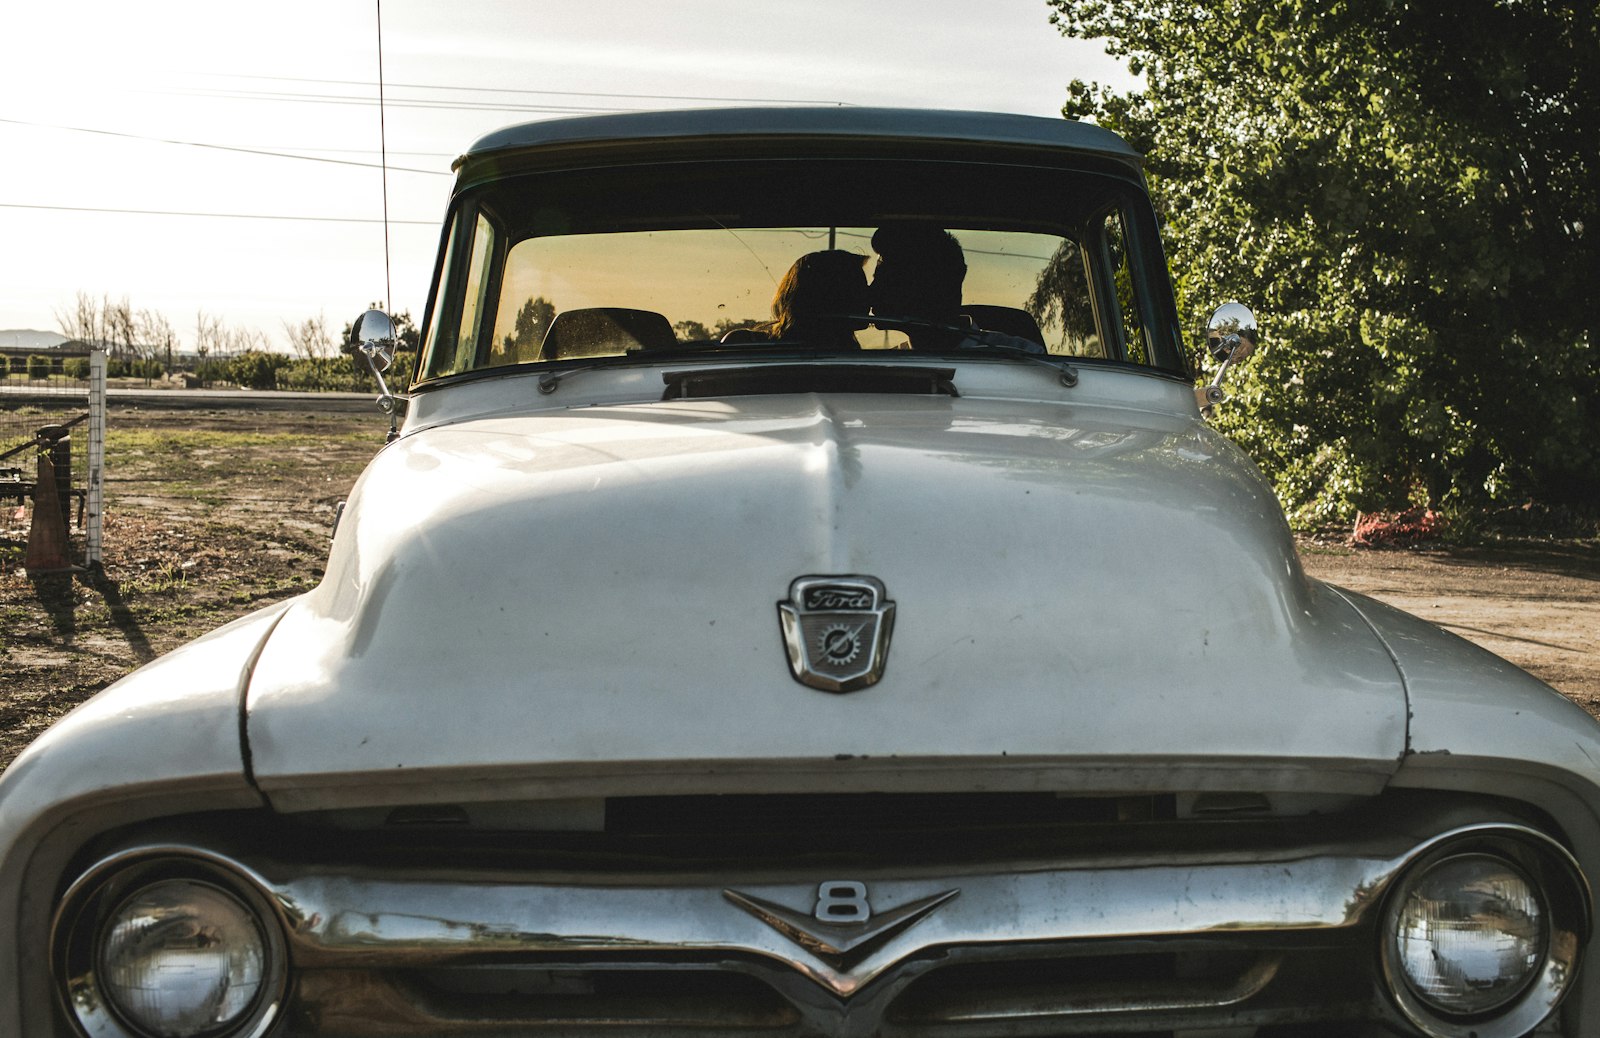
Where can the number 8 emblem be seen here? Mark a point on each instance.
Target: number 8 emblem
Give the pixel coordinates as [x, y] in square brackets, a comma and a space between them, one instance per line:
[842, 901]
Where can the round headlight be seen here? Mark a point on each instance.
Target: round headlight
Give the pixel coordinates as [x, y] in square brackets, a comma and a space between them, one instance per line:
[182, 958]
[1470, 934]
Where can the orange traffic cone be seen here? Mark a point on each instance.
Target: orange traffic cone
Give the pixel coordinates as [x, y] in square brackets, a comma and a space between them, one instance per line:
[47, 537]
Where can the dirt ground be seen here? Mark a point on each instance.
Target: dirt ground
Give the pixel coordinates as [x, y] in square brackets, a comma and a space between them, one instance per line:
[1537, 603]
[211, 514]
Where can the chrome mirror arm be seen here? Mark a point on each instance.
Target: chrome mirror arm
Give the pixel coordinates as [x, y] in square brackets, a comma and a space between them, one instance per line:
[374, 341]
[385, 399]
[1212, 393]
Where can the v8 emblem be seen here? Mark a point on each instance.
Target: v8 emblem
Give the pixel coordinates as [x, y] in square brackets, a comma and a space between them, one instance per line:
[841, 926]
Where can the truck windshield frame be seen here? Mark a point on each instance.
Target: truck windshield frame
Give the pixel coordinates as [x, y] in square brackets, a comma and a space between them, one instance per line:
[605, 236]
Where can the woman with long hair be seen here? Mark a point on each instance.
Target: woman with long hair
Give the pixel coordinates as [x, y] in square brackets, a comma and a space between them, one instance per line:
[821, 302]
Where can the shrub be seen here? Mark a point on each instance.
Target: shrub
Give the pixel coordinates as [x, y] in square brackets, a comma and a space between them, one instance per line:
[38, 366]
[344, 374]
[255, 369]
[319, 374]
[399, 374]
[138, 367]
[210, 369]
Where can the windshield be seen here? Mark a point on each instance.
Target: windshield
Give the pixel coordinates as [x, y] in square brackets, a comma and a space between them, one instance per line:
[630, 263]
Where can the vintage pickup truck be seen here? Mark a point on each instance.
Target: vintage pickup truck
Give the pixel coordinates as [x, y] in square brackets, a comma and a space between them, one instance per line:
[804, 597]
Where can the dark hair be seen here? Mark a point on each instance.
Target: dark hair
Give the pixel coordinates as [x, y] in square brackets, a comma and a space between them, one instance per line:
[932, 250]
[919, 274]
[828, 283]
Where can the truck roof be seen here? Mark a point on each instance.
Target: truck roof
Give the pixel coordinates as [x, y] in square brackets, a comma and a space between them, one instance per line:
[798, 125]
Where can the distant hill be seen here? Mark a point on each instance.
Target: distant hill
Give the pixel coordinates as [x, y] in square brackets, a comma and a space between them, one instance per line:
[30, 339]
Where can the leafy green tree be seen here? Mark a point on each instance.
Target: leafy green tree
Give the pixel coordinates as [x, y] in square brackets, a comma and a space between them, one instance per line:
[1407, 193]
[691, 331]
[1059, 295]
[725, 325]
[533, 320]
[405, 362]
[258, 369]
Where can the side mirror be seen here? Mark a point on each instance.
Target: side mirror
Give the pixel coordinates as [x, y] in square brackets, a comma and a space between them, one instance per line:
[1231, 335]
[374, 341]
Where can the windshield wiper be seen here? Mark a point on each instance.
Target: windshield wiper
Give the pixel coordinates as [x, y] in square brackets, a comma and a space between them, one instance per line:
[550, 380]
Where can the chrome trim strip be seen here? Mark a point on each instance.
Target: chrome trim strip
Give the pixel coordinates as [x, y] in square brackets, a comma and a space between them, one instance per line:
[372, 922]
[1115, 998]
[391, 923]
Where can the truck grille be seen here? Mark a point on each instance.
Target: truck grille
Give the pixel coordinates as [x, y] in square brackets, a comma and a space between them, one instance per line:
[952, 917]
[1134, 992]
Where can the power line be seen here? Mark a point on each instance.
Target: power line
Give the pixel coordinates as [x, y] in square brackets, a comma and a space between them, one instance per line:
[424, 104]
[415, 103]
[213, 216]
[295, 148]
[222, 147]
[549, 93]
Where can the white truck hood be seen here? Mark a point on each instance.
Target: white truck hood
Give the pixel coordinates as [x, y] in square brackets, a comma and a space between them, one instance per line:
[586, 601]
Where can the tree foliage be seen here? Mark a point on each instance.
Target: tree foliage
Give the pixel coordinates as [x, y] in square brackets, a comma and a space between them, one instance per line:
[1059, 297]
[1407, 193]
[134, 367]
[725, 325]
[533, 320]
[691, 331]
[257, 369]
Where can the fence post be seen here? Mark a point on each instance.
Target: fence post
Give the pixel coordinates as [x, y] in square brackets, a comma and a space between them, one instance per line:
[94, 491]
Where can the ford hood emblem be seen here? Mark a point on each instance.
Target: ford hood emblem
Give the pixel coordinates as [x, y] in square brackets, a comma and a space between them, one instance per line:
[837, 631]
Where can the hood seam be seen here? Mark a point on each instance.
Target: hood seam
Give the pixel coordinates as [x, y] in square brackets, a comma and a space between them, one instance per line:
[1394, 657]
[246, 675]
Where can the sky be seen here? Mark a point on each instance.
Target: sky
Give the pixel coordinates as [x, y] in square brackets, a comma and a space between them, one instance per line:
[221, 157]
